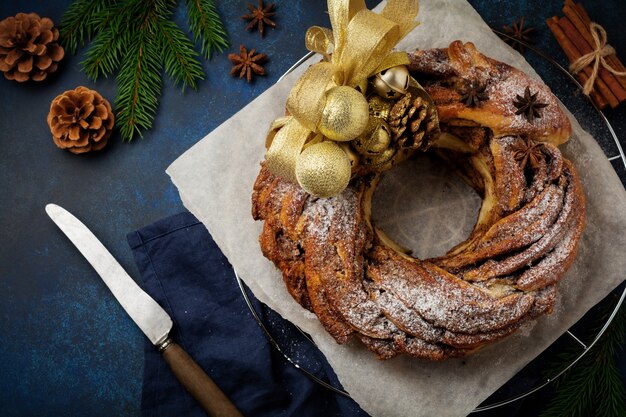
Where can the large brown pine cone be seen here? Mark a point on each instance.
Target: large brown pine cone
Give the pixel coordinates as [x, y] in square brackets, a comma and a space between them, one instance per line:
[28, 47]
[80, 120]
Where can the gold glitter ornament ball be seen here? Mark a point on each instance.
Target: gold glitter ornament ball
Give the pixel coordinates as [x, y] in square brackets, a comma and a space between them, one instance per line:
[375, 139]
[323, 169]
[345, 114]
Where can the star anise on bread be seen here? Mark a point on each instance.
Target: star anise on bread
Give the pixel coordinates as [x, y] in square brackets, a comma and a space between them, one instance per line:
[260, 16]
[528, 105]
[472, 93]
[527, 152]
[247, 63]
[518, 34]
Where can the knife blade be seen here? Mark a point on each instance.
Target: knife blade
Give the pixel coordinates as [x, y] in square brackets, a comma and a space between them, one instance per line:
[151, 318]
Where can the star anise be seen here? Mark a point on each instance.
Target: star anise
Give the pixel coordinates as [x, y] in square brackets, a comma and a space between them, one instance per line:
[260, 16]
[473, 93]
[518, 34]
[527, 152]
[247, 63]
[528, 105]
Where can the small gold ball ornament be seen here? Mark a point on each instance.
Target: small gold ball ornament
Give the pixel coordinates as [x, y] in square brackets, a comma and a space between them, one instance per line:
[375, 139]
[381, 162]
[345, 114]
[323, 169]
[352, 155]
[379, 107]
[392, 83]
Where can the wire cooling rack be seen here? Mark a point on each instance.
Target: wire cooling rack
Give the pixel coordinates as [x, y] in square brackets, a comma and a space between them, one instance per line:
[510, 395]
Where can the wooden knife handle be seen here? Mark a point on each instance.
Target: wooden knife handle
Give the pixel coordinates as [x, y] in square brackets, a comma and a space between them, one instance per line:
[198, 383]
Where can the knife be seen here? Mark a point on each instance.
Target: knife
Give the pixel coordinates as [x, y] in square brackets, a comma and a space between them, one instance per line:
[146, 313]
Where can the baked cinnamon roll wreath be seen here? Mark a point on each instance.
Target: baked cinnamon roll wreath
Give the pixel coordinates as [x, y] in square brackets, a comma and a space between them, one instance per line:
[500, 130]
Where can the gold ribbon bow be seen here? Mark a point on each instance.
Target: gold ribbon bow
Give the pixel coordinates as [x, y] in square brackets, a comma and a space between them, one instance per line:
[596, 57]
[358, 46]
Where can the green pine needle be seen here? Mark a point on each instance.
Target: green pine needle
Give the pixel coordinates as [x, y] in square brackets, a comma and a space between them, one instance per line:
[206, 26]
[181, 62]
[104, 55]
[592, 387]
[138, 40]
[80, 21]
[139, 83]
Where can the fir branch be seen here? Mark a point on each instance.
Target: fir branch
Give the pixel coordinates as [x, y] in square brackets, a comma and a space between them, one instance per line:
[80, 22]
[139, 81]
[206, 26]
[104, 55]
[137, 39]
[593, 385]
[103, 58]
[179, 56]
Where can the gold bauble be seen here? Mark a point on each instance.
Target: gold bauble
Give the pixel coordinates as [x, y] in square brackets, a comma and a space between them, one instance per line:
[345, 114]
[352, 155]
[383, 161]
[379, 107]
[392, 83]
[375, 139]
[323, 169]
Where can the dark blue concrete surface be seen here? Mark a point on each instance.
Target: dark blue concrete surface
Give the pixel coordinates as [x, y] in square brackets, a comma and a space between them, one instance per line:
[67, 347]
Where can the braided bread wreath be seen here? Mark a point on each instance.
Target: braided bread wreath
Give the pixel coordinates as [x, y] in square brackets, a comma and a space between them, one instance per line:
[360, 283]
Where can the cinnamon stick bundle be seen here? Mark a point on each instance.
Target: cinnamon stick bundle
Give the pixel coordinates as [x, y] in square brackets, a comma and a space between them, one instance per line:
[572, 54]
[579, 17]
[573, 34]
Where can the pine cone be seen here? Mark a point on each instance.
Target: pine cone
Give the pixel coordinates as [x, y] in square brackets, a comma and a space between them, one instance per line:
[28, 47]
[80, 120]
[410, 120]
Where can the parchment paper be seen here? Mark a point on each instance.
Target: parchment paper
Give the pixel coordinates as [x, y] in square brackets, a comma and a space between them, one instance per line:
[423, 206]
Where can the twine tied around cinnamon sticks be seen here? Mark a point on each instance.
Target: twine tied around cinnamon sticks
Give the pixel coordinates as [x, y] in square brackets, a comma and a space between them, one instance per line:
[602, 49]
[578, 38]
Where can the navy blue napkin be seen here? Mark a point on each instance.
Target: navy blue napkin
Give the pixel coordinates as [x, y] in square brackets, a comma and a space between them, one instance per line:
[186, 273]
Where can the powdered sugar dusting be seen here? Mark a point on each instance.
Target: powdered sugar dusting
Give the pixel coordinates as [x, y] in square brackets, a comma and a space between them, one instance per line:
[335, 224]
[507, 90]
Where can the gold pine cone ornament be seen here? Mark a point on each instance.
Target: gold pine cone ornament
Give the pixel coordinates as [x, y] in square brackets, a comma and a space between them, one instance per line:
[28, 47]
[411, 119]
[80, 120]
